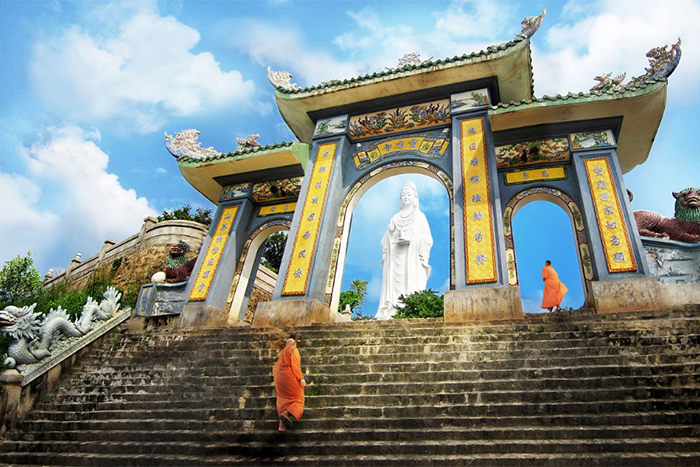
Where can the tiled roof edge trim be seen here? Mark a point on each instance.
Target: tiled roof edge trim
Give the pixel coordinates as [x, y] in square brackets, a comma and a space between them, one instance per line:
[237, 153]
[406, 70]
[631, 91]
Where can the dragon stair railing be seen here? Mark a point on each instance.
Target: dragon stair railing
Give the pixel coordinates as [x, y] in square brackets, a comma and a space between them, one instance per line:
[42, 347]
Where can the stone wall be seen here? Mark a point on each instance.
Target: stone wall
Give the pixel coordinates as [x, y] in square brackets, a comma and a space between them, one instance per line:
[135, 259]
[263, 287]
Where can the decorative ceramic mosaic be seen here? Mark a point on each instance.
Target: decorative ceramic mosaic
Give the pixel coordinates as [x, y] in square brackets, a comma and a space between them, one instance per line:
[611, 222]
[235, 191]
[431, 146]
[412, 117]
[331, 126]
[535, 175]
[592, 139]
[305, 243]
[277, 189]
[277, 209]
[341, 224]
[214, 252]
[480, 254]
[512, 270]
[533, 152]
[468, 100]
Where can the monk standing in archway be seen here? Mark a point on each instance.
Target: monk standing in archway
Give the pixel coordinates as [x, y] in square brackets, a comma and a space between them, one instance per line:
[289, 385]
[554, 289]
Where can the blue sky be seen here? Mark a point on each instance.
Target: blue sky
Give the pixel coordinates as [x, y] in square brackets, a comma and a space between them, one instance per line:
[87, 90]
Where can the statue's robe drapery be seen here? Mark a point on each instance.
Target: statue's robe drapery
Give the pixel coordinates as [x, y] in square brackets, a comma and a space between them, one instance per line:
[405, 263]
[554, 289]
[287, 373]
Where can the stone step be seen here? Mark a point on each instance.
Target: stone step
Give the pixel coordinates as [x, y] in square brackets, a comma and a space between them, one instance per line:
[132, 375]
[661, 386]
[341, 422]
[433, 335]
[402, 412]
[390, 360]
[150, 453]
[570, 388]
[265, 431]
[375, 459]
[549, 348]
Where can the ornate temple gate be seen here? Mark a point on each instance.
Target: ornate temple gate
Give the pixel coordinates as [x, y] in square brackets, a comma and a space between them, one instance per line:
[572, 150]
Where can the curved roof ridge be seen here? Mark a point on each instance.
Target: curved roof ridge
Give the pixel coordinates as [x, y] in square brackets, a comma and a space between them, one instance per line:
[237, 152]
[629, 90]
[406, 70]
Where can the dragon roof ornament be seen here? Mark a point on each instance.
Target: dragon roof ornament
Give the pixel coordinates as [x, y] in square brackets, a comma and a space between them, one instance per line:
[281, 79]
[185, 143]
[531, 24]
[249, 143]
[662, 63]
[410, 59]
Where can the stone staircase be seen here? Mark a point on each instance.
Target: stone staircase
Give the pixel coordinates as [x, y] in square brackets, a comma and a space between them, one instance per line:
[564, 390]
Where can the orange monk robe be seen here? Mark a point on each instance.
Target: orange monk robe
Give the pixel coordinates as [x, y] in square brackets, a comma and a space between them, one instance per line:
[287, 373]
[554, 289]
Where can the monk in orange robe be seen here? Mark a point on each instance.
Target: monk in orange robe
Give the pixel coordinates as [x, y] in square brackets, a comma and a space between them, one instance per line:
[289, 384]
[554, 289]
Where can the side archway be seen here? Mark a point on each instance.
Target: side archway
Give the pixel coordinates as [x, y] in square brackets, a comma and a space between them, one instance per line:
[244, 270]
[350, 202]
[572, 210]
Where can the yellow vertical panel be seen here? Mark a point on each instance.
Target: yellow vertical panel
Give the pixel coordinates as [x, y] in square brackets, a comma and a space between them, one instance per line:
[608, 211]
[299, 268]
[214, 253]
[478, 217]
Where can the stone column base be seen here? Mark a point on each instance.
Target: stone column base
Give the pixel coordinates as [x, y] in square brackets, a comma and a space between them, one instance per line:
[624, 295]
[283, 313]
[483, 304]
[642, 294]
[202, 316]
[677, 295]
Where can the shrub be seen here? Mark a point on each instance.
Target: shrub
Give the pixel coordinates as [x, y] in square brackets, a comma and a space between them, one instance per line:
[203, 216]
[355, 297]
[20, 282]
[423, 304]
[273, 250]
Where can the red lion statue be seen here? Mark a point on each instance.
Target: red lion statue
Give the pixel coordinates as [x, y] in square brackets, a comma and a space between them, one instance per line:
[684, 227]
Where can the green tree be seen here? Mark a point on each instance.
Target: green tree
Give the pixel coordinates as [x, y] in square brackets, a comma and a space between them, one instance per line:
[20, 282]
[203, 216]
[355, 297]
[423, 304]
[273, 249]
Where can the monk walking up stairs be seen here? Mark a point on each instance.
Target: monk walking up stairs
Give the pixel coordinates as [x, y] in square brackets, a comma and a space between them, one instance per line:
[554, 289]
[289, 385]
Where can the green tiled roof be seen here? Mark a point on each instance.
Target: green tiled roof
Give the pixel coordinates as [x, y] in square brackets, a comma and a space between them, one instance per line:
[238, 154]
[573, 98]
[406, 70]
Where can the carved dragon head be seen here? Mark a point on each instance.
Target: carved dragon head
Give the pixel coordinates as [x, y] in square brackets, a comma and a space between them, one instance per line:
[20, 323]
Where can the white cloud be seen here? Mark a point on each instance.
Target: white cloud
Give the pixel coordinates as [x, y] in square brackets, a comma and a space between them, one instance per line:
[373, 41]
[24, 226]
[615, 37]
[285, 49]
[532, 306]
[87, 204]
[142, 74]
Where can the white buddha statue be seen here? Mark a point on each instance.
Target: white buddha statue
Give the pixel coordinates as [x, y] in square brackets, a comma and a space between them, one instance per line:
[405, 253]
